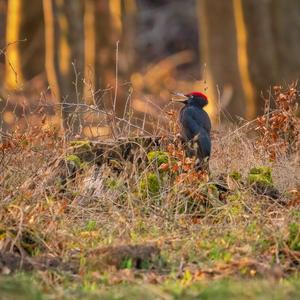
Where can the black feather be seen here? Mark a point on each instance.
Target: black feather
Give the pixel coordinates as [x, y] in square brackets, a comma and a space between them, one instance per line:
[196, 127]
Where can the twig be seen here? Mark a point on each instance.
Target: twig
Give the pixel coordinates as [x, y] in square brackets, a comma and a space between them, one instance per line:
[116, 88]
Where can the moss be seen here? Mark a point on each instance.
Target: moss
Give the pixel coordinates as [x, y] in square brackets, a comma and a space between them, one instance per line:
[150, 184]
[235, 175]
[160, 157]
[91, 225]
[126, 263]
[294, 236]
[234, 197]
[83, 145]
[261, 175]
[113, 183]
[74, 159]
[236, 207]
[213, 194]
[83, 165]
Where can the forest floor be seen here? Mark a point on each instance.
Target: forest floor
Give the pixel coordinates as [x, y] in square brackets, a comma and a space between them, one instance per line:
[147, 225]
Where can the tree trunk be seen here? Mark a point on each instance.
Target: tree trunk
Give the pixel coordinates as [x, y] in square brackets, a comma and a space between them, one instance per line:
[286, 32]
[274, 28]
[219, 52]
[3, 15]
[105, 53]
[129, 11]
[89, 50]
[243, 58]
[261, 47]
[25, 52]
[111, 65]
[32, 29]
[65, 57]
[13, 70]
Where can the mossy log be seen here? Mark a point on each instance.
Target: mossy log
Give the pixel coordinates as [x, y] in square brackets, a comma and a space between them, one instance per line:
[57, 174]
[123, 149]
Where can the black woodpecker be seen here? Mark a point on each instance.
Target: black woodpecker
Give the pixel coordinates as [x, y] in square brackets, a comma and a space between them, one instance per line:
[196, 127]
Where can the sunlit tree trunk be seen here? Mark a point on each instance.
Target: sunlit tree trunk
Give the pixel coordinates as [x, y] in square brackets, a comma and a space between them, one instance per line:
[243, 58]
[65, 57]
[24, 33]
[220, 54]
[13, 70]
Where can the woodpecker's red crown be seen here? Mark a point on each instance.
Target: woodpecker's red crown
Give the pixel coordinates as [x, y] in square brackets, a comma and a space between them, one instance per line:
[197, 94]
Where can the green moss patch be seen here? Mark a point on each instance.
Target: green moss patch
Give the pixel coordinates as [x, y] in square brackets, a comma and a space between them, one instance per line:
[150, 184]
[83, 145]
[237, 176]
[74, 159]
[294, 236]
[160, 157]
[261, 175]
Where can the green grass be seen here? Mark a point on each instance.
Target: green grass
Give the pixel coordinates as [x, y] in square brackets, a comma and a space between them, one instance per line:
[24, 287]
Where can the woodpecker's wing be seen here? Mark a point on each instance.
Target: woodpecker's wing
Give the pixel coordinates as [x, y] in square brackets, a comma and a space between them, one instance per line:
[195, 119]
[196, 124]
[204, 143]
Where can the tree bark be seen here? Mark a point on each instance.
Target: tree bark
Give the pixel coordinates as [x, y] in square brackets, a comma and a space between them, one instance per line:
[24, 31]
[13, 70]
[219, 52]
[286, 32]
[89, 50]
[3, 15]
[105, 53]
[261, 47]
[129, 14]
[32, 29]
[65, 57]
[115, 24]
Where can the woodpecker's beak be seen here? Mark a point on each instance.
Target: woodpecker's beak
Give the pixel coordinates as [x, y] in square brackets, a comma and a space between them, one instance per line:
[182, 98]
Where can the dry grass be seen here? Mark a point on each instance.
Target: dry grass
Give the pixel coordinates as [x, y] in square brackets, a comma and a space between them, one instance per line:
[71, 210]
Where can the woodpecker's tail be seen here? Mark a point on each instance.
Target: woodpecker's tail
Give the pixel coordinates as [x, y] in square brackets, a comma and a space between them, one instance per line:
[203, 143]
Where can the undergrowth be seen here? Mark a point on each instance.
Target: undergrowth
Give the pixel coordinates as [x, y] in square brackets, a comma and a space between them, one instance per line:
[78, 220]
